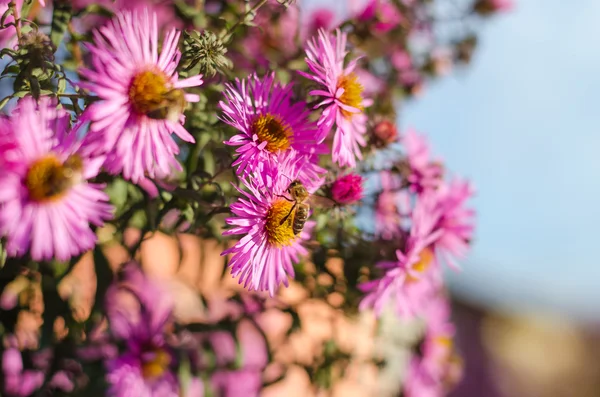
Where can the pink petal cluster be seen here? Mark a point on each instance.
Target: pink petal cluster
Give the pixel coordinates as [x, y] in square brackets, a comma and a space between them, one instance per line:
[436, 367]
[341, 94]
[46, 207]
[423, 173]
[260, 263]
[348, 189]
[270, 123]
[125, 50]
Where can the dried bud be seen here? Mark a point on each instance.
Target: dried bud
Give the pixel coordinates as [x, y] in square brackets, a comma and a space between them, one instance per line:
[37, 48]
[489, 7]
[206, 50]
[384, 133]
[465, 49]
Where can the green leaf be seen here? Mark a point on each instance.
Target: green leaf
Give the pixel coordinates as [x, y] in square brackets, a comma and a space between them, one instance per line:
[60, 21]
[4, 101]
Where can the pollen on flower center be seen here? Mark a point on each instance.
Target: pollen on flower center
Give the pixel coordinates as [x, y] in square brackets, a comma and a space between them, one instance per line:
[271, 129]
[425, 260]
[280, 234]
[49, 179]
[147, 91]
[157, 365]
[352, 95]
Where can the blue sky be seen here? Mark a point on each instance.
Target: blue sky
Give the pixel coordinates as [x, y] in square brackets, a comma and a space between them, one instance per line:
[522, 122]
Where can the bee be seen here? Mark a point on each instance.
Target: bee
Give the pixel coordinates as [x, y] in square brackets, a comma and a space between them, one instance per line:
[170, 107]
[302, 200]
[300, 209]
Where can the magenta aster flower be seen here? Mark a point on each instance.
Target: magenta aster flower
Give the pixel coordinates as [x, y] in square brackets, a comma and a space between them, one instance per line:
[342, 96]
[422, 172]
[347, 189]
[436, 367]
[145, 366]
[270, 124]
[46, 203]
[141, 98]
[265, 255]
[456, 222]
[414, 278]
[17, 380]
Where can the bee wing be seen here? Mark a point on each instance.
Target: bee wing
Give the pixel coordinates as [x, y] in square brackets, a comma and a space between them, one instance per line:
[320, 201]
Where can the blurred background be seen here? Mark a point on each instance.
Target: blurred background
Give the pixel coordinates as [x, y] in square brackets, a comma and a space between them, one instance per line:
[521, 121]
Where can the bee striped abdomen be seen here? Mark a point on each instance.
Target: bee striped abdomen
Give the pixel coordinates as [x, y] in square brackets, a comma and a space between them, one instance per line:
[300, 218]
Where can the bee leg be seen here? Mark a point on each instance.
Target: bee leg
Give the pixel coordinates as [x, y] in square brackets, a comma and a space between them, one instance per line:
[279, 195]
[288, 215]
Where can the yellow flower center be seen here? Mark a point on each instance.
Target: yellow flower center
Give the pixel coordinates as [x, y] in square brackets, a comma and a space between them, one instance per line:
[48, 179]
[352, 95]
[147, 91]
[423, 264]
[271, 129]
[157, 366]
[280, 234]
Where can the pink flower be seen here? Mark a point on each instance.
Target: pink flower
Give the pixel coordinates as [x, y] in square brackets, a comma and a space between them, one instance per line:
[422, 173]
[436, 367]
[131, 123]
[269, 246]
[456, 222]
[46, 203]
[270, 124]
[320, 18]
[347, 189]
[386, 15]
[342, 96]
[164, 9]
[411, 281]
[19, 381]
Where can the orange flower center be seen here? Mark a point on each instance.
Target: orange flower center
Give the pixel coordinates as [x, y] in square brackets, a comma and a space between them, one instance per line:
[48, 179]
[425, 260]
[271, 129]
[147, 91]
[157, 366]
[352, 95]
[280, 234]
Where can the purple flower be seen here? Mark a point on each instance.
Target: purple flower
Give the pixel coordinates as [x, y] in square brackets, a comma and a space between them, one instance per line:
[409, 283]
[456, 222]
[270, 124]
[437, 367]
[141, 98]
[342, 96]
[422, 173]
[145, 367]
[17, 381]
[46, 203]
[268, 248]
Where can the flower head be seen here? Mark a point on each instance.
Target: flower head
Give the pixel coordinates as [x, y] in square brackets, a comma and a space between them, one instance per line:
[141, 98]
[414, 278]
[17, 380]
[342, 93]
[46, 203]
[145, 366]
[270, 124]
[265, 215]
[347, 189]
[436, 367]
[421, 172]
[456, 222]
